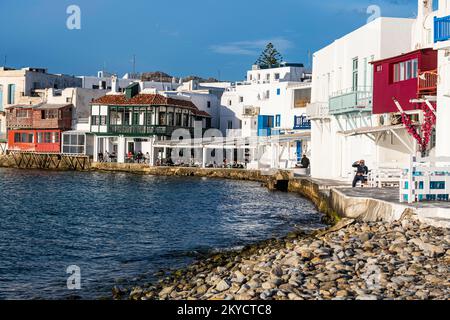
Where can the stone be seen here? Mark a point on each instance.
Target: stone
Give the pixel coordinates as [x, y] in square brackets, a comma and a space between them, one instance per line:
[277, 271]
[293, 296]
[268, 285]
[429, 249]
[366, 297]
[239, 277]
[166, 291]
[222, 286]
[201, 289]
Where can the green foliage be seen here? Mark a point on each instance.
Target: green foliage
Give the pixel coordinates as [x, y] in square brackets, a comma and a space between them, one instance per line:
[270, 57]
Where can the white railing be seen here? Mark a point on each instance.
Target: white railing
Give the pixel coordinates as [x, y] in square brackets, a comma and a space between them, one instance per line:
[317, 110]
[426, 179]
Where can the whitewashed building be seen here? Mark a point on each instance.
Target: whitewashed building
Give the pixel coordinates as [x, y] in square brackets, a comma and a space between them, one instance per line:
[271, 101]
[341, 101]
[104, 80]
[441, 40]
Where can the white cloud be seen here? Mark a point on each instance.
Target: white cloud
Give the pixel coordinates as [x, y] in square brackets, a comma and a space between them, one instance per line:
[252, 47]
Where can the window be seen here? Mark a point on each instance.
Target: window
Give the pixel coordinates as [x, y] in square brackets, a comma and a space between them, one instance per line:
[278, 91]
[23, 137]
[102, 120]
[268, 76]
[40, 137]
[73, 143]
[278, 120]
[208, 104]
[276, 76]
[135, 118]
[22, 113]
[259, 76]
[230, 102]
[230, 124]
[49, 114]
[405, 70]
[250, 77]
[267, 95]
[11, 93]
[355, 74]
[55, 137]
[178, 119]
[380, 68]
[47, 137]
[241, 99]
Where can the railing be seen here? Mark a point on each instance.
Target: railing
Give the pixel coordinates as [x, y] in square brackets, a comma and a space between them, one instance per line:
[428, 82]
[317, 110]
[351, 101]
[144, 130]
[441, 29]
[302, 123]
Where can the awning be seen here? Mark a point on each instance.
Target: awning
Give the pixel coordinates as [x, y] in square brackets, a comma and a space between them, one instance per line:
[367, 130]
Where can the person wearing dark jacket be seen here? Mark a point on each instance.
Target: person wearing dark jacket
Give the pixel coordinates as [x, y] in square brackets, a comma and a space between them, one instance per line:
[305, 162]
[361, 172]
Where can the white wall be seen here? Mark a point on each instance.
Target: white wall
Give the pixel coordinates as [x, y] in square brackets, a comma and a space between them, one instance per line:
[332, 154]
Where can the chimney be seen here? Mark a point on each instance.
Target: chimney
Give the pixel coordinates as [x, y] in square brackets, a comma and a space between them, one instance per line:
[114, 84]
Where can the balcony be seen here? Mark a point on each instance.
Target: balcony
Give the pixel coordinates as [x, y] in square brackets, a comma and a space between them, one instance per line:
[302, 123]
[349, 101]
[139, 130]
[441, 29]
[317, 110]
[428, 83]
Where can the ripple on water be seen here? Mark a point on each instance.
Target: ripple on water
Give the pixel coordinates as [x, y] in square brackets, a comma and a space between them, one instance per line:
[123, 226]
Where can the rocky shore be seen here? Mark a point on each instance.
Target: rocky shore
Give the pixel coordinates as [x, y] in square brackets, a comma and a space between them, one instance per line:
[352, 260]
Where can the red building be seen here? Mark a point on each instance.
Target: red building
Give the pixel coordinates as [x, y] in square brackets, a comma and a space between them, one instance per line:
[405, 77]
[37, 128]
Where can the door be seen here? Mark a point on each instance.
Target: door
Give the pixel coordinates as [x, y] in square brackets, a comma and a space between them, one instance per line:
[131, 147]
[299, 150]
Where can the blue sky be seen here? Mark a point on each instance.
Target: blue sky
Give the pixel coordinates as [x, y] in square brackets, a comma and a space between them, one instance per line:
[180, 37]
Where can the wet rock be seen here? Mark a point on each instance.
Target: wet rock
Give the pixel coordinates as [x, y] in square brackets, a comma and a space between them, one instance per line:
[222, 286]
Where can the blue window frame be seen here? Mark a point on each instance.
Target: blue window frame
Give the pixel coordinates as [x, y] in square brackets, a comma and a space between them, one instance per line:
[278, 91]
[278, 120]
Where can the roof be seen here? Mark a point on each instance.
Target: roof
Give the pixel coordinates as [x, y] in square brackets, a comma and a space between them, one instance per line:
[45, 106]
[144, 99]
[39, 106]
[203, 113]
[404, 55]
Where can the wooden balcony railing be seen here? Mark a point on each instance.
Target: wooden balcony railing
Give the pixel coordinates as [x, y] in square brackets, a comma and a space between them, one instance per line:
[428, 81]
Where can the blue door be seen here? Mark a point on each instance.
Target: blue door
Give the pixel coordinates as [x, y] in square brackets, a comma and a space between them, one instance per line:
[299, 150]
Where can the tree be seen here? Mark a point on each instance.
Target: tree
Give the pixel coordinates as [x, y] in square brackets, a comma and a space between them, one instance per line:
[270, 57]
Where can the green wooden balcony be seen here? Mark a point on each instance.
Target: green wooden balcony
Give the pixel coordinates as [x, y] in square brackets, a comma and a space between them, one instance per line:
[142, 130]
[349, 101]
